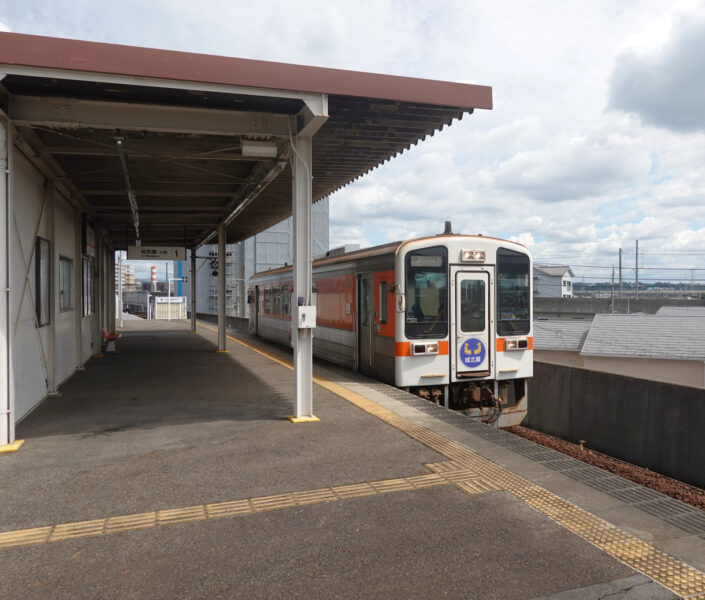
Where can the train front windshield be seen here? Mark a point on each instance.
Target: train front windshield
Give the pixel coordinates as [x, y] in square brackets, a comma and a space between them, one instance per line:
[513, 296]
[427, 293]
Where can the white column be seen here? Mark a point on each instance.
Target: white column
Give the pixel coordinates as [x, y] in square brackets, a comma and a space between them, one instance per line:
[97, 317]
[303, 280]
[7, 418]
[221, 288]
[55, 312]
[192, 281]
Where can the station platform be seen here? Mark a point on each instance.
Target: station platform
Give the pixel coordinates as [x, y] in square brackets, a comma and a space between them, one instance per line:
[167, 469]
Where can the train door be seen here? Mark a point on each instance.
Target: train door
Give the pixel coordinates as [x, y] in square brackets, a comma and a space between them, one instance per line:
[256, 309]
[365, 324]
[470, 353]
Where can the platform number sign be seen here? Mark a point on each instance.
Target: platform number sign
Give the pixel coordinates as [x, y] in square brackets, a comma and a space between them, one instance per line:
[472, 353]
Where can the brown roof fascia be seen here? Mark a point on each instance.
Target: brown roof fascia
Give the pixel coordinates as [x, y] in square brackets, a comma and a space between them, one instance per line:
[75, 55]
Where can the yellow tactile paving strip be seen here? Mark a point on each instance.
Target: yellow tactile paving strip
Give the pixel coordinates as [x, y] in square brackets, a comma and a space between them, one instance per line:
[465, 479]
[667, 570]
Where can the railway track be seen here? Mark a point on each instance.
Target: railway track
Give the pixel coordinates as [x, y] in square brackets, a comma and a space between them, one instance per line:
[671, 487]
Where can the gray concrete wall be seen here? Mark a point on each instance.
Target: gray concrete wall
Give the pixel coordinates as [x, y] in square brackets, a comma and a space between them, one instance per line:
[238, 324]
[586, 308]
[651, 424]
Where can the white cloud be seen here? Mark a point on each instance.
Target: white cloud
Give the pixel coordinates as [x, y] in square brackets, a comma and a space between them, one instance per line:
[555, 165]
[666, 85]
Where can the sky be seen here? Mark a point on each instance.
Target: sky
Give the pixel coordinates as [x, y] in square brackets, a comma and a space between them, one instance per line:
[596, 138]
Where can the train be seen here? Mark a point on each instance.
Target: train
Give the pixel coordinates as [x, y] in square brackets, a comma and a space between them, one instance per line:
[447, 317]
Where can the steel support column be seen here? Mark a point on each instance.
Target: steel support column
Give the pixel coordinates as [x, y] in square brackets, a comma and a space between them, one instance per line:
[54, 308]
[192, 281]
[221, 288]
[78, 286]
[97, 317]
[303, 280]
[7, 419]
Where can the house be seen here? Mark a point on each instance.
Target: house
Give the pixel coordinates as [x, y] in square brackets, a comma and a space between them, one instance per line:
[654, 347]
[553, 281]
[560, 340]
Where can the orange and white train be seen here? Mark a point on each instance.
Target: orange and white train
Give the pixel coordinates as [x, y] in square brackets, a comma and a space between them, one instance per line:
[447, 317]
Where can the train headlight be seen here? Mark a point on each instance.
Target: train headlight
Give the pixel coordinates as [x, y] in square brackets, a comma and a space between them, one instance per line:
[424, 349]
[522, 344]
[472, 256]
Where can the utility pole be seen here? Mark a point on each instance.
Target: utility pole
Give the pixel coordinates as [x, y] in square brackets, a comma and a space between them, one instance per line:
[637, 269]
[620, 272]
[612, 289]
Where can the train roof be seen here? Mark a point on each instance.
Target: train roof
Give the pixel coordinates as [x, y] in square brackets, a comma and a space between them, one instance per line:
[389, 248]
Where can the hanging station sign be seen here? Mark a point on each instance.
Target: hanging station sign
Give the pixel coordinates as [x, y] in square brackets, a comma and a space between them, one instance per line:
[156, 253]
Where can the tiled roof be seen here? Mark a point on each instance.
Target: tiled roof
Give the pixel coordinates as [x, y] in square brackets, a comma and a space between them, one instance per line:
[560, 334]
[554, 271]
[682, 311]
[647, 336]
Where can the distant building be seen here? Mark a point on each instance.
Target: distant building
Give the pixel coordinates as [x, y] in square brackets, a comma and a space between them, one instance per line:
[127, 271]
[654, 347]
[267, 250]
[553, 282]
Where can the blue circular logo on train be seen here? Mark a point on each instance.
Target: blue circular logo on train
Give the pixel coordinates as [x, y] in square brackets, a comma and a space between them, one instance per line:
[472, 353]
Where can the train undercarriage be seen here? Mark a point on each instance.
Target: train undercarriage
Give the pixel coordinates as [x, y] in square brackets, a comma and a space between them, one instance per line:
[482, 401]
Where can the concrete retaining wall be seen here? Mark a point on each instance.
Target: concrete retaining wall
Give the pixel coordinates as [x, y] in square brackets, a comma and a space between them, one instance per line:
[586, 308]
[655, 425]
[236, 323]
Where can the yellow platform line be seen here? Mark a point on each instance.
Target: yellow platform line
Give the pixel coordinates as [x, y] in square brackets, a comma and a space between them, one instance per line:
[667, 570]
[13, 447]
[220, 510]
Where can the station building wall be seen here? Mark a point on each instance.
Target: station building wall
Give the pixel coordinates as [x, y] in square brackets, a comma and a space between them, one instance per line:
[45, 355]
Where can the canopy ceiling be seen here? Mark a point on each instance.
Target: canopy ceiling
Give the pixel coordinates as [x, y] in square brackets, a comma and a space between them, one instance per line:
[171, 126]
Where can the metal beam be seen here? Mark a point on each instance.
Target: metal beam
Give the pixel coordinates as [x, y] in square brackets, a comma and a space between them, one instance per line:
[261, 177]
[156, 82]
[72, 113]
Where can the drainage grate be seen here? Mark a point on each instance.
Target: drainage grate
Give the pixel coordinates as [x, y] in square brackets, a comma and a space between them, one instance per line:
[665, 508]
[562, 464]
[636, 495]
[609, 483]
[584, 473]
[690, 523]
[544, 455]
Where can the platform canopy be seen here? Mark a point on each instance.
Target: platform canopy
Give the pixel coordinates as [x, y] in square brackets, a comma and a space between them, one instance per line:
[177, 143]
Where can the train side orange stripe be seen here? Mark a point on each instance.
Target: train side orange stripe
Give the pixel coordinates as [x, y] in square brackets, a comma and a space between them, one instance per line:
[404, 348]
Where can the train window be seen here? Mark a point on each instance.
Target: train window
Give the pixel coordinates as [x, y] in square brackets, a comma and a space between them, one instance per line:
[314, 294]
[267, 300]
[383, 302]
[286, 297]
[513, 299]
[427, 293]
[275, 301]
[472, 306]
